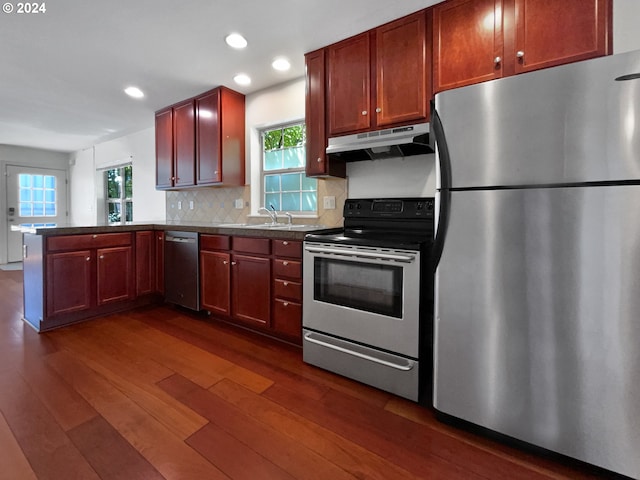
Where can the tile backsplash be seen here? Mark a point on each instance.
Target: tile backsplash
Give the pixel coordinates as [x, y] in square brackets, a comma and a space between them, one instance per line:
[217, 204]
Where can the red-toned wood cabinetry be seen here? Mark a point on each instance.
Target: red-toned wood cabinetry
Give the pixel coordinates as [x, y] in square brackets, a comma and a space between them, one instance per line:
[215, 274]
[200, 141]
[88, 271]
[251, 281]
[318, 163]
[478, 40]
[287, 287]
[379, 78]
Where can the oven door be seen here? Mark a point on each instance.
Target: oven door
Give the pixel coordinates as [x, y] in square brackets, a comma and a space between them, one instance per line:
[367, 295]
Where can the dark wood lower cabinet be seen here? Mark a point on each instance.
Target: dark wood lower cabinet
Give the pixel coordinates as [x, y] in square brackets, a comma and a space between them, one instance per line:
[68, 282]
[251, 289]
[115, 275]
[215, 282]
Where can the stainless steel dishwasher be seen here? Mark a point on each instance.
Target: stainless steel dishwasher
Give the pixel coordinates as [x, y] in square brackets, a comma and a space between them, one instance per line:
[181, 266]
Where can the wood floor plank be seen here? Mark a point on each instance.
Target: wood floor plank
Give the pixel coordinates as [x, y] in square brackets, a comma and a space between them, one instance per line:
[202, 367]
[162, 449]
[272, 443]
[110, 455]
[349, 456]
[280, 362]
[49, 451]
[65, 404]
[13, 463]
[233, 457]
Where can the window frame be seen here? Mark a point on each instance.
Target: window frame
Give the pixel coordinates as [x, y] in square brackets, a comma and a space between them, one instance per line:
[283, 171]
[123, 200]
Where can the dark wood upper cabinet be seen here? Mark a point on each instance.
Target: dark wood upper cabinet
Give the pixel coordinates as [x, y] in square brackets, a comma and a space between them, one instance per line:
[318, 164]
[479, 40]
[379, 78]
[201, 141]
[550, 33]
[184, 144]
[349, 85]
[467, 42]
[220, 148]
[403, 71]
[164, 148]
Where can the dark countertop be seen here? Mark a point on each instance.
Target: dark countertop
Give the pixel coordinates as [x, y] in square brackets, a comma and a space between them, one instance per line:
[294, 232]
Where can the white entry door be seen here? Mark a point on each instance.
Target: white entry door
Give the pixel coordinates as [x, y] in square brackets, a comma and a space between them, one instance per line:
[35, 197]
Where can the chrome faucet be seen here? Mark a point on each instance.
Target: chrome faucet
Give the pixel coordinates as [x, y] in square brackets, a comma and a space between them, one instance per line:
[272, 214]
[289, 218]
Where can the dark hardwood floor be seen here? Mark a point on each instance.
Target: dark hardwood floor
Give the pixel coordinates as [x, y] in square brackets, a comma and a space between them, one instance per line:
[160, 393]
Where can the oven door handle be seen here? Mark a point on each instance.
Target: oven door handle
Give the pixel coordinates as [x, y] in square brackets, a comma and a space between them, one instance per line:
[361, 254]
[405, 368]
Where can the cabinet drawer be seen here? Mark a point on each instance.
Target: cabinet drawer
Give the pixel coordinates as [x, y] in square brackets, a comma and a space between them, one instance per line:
[77, 242]
[252, 245]
[287, 248]
[287, 318]
[287, 268]
[215, 242]
[288, 289]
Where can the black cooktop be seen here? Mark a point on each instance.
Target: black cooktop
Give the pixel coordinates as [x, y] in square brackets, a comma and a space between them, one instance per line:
[403, 223]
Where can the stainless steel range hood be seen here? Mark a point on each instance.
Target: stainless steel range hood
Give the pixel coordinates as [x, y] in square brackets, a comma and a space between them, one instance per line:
[393, 142]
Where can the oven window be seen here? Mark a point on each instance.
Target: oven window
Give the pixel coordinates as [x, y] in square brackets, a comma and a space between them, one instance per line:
[364, 286]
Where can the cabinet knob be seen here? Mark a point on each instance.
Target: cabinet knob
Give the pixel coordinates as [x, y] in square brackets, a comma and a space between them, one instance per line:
[94, 236]
[286, 284]
[520, 54]
[88, 258]
[216, 172]
[378, 110]
[234, 263]
[285, 263]
[285, 243]
[319, 160]
[101, 257]
[224, 262]
[497, 60]
[286, 304]
[364, 112]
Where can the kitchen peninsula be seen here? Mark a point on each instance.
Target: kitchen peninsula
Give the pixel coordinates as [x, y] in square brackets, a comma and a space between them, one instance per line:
[72, 274]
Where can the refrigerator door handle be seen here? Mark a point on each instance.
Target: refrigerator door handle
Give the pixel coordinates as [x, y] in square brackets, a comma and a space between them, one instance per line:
[445, 187]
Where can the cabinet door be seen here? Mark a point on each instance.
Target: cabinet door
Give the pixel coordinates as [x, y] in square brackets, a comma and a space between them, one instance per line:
[349, 85]
[164, 148]
[208, 159]
[402, 75]
[251, 289]
[287, 319]
[68, 282]
[145, 263]
[467, 42]
[184, 137]
[115, 274]
[215, 281]
[551, 33]
[159, 259]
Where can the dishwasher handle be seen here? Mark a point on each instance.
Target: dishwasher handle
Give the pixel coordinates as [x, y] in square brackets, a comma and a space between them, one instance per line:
[169, 238]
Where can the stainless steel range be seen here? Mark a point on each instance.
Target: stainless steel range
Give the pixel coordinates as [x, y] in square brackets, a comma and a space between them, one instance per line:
[368, 295]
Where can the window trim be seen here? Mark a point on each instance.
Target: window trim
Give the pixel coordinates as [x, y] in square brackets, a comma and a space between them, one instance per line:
[123, 200]
[281, 171]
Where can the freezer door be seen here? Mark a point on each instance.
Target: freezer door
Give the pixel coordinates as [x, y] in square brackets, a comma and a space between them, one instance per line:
[568, 124]
[537, 332]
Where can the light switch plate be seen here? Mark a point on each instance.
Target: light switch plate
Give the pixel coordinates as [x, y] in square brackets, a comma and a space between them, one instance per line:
[329, 203]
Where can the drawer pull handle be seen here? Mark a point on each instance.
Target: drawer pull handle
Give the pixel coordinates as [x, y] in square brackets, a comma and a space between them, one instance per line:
[285, 263]
[286, 284]
[285, 243]
[286, 304]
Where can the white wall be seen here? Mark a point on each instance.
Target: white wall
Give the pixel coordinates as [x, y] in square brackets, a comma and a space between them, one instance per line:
[280, 104]
[86, 191]
[626, 34]
[30, 157]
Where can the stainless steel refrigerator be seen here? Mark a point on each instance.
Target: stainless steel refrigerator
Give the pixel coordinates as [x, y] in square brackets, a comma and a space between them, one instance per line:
[537, 310]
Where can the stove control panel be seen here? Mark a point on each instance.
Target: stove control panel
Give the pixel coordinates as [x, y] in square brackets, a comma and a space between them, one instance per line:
[390, 208]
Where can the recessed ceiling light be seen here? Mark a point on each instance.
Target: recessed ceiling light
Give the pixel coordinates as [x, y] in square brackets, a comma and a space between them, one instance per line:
[242, 79]
[236, 40]
[281, 64]
[134, 92]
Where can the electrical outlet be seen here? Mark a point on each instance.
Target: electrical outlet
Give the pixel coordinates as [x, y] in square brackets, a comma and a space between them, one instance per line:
[179, 205]
[190, 204]
[329, 203]
[239, 203]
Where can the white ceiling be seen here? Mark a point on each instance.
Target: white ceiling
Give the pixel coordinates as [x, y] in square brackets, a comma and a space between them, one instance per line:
[62, 72]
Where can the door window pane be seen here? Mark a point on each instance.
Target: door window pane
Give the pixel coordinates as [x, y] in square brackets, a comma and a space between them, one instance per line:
[37, 195]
